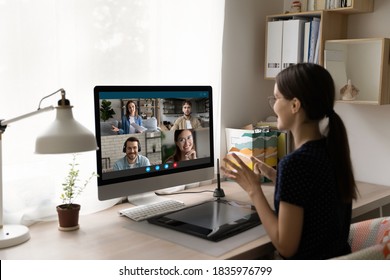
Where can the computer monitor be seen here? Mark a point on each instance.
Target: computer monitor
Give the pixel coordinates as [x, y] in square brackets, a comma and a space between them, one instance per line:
[157, 108]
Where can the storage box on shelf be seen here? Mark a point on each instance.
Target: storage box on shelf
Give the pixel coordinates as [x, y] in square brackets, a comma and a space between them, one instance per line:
[363, 61]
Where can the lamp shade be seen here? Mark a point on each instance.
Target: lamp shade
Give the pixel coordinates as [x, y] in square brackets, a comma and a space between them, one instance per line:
[65, 135]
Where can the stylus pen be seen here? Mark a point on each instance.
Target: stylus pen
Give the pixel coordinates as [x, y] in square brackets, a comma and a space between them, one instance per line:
[218, 175]
[218, 192]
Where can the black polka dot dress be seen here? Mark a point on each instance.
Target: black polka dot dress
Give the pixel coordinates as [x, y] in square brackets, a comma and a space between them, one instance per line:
[306, 178]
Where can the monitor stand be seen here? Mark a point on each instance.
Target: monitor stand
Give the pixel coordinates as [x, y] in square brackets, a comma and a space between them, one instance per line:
[154, 196]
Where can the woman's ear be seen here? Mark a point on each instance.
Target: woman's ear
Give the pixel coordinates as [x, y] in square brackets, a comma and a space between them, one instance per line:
[295, 105]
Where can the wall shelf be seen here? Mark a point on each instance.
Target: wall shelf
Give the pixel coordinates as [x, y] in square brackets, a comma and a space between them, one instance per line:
[333, 26]
[366, 63]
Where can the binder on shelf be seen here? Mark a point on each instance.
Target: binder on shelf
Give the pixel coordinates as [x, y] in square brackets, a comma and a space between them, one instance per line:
[317, 50]
[274, 48]
[293, 41]
[314, 33]
[306, 41]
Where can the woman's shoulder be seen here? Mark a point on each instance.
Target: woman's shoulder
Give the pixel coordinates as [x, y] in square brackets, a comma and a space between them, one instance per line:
[312, 147]
[306, 156]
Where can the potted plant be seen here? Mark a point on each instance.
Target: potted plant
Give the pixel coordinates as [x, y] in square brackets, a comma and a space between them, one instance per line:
[68, 211]
[106, 111]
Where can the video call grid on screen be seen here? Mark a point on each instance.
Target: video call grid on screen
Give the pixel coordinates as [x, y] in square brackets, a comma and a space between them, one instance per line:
[157, 143]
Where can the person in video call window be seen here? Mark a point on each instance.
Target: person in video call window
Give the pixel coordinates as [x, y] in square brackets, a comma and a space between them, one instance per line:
[132, 159]
[314, 184]
[186, 121]
[130, 117]
[185, 146]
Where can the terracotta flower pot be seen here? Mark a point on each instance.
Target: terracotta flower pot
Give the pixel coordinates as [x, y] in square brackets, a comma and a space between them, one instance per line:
[68, 217]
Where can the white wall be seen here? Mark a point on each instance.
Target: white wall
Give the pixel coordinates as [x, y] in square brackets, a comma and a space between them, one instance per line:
[244, 90]
[368, 126]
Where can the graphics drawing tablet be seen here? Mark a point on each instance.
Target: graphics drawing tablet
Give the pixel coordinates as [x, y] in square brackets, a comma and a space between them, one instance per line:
[211, 220]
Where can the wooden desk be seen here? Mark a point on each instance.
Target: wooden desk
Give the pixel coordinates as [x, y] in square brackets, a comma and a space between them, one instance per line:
[105, 235]
[373, 201]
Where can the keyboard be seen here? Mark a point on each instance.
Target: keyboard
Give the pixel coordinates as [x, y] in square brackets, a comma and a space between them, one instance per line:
[144, 212]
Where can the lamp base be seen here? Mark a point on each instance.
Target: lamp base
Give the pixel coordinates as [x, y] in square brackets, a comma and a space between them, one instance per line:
[11, 235]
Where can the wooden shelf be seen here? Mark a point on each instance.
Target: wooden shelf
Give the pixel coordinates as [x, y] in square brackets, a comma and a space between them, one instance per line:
[366, 63]
[333, 25]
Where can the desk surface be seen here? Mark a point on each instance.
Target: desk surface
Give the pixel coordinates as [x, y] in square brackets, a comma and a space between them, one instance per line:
[105, 235]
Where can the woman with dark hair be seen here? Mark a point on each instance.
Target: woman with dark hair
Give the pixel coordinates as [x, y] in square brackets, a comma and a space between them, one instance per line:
[131, 116]
[314, 184]
[185, 146]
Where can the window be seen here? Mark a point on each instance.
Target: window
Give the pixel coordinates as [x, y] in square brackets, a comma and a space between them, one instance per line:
[77, 45]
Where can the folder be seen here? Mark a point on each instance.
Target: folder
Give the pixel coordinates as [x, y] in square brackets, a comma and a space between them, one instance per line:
[306, 41]
[274, 48]
[293, 42]
[317, 50]
[138, 128]
[314, 32]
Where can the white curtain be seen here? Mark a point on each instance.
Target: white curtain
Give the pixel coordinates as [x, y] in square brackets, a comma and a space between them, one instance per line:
[75, 45]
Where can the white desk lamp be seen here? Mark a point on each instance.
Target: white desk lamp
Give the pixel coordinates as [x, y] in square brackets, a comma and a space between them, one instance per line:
[65, 135]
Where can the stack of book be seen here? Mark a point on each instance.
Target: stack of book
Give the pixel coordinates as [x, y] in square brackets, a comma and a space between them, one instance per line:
[317, 5]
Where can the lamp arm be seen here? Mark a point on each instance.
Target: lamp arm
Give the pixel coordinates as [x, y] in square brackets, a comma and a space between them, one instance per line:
[60, 90]
[6, 122]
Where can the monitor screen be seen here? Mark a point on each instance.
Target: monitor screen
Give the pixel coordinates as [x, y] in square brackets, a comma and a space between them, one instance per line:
[152, 137]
